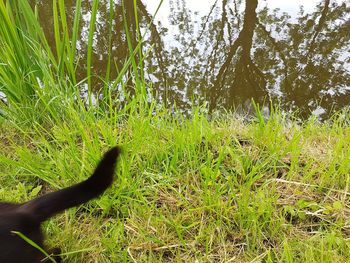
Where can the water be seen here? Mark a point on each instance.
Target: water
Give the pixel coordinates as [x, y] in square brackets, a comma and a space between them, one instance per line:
[226, 53]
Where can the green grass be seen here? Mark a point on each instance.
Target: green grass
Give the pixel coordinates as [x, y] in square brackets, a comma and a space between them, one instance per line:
[188, 189]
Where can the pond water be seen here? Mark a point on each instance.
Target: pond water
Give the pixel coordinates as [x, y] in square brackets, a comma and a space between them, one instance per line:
[224, 53]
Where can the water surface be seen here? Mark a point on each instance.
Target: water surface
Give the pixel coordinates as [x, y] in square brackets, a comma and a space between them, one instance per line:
[224, 53]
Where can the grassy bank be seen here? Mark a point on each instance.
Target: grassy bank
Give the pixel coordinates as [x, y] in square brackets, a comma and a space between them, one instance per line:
[188, 189]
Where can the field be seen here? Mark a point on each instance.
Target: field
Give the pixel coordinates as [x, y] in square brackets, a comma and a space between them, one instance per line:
[203, 188]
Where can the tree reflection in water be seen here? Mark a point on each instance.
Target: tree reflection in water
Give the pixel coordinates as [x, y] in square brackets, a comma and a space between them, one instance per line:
[234, 53]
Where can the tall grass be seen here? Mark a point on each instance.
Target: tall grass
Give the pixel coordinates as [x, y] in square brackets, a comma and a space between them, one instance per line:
[37, 81]
[28, 68]
[188, 189]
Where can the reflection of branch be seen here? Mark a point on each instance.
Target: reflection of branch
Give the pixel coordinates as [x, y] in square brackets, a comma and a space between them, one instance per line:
[237, 14]
[243, 40]
[318, 29]
[274, 43]
[220, 78]
[278, 49]
[157, 39]
[206, 21]
[312, 44]
[223, 20]
[220, 38]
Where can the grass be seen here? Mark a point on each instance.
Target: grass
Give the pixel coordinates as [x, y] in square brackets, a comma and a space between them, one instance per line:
[194, 189]
[191, 189]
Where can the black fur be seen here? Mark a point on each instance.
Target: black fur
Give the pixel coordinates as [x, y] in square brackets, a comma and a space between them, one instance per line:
[26, 218]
